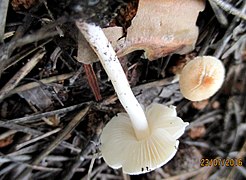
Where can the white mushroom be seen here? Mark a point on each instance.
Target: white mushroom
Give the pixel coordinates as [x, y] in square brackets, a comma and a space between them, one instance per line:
[132, 141]
[121, 148]
[201, 78]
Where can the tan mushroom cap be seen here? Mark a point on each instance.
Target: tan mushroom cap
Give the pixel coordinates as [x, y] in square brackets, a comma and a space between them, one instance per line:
[161, 27]
[120, 147]
[201, 78]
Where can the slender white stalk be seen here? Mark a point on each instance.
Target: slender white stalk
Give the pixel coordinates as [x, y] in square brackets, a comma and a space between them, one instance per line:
[102, 47]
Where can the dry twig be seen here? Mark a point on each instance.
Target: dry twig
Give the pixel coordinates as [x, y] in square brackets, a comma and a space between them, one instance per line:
[230, 9]
[68, 129]
[36, 117]
[3, 9]
[13, 82]
[32, 85]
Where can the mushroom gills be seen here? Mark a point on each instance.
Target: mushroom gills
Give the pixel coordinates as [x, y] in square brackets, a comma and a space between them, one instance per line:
[121, 148]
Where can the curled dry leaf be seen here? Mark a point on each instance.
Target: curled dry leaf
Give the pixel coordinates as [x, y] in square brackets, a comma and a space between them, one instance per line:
[161, 27]
[85, 53]
[39, 97]
[114, 35]
[197, 132]
[17, 4]
[6, 141]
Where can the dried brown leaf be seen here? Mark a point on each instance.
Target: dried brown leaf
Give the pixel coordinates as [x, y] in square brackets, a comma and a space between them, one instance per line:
[163, 27]
[197, 132]
[85, 53]
[6, 141]
[17, 4]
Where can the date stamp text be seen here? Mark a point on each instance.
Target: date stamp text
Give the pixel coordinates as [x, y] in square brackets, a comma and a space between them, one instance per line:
[221, 162]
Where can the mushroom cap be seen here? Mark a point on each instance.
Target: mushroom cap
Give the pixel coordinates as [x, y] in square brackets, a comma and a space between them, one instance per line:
[201, 78]
[121, 148]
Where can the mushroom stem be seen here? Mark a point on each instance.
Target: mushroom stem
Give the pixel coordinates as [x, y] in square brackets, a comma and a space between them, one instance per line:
[107, 56]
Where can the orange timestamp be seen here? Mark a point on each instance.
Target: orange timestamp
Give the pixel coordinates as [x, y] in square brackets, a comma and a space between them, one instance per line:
[221, 162]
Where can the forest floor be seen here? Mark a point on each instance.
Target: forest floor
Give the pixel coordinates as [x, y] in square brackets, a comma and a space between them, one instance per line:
[52, 111]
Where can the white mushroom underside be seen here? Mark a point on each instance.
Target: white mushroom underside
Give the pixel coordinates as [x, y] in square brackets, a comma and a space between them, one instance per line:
[120, 147]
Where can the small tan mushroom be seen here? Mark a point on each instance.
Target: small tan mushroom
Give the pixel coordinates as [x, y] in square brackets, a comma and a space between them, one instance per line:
[161, 27]
[201, 78]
